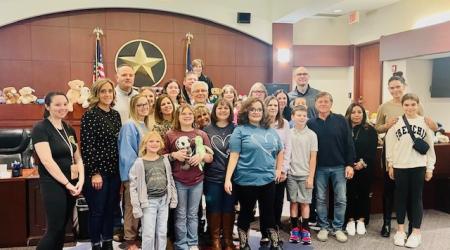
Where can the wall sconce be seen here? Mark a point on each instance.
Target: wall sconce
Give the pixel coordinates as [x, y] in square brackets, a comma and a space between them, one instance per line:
[284, 55]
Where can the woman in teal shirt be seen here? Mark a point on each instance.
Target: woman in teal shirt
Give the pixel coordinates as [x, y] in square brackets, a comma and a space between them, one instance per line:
[255, 150]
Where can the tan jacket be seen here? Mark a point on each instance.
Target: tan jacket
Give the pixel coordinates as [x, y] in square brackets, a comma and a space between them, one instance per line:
[138, 187]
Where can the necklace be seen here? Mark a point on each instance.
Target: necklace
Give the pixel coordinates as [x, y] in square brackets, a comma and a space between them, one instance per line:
[65, 139]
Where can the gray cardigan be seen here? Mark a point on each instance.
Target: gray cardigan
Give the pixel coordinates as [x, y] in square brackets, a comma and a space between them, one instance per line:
[138, 187]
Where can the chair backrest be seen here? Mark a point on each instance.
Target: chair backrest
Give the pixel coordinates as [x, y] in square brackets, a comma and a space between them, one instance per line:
[15, 145]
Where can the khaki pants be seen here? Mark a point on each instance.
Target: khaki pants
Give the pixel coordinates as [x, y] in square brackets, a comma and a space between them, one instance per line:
[130, 224]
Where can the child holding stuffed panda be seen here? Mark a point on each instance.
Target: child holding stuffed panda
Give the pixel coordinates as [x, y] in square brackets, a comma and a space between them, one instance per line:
[187, 174]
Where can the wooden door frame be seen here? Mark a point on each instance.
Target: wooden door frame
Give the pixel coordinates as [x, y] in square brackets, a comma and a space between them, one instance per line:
[357, 71]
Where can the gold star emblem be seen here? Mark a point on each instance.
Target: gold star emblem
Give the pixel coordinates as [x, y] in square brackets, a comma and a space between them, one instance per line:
[141, 63]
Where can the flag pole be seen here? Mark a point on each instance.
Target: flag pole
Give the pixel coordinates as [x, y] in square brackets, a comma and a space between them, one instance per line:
[98, 32]
[189, 38]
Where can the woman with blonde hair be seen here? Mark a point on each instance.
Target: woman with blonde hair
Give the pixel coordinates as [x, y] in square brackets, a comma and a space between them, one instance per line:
[100, 126]
[151, 96]
[230, 94]
[259, 91]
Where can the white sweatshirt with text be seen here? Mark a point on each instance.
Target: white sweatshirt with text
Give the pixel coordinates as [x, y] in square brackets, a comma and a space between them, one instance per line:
[399, 145]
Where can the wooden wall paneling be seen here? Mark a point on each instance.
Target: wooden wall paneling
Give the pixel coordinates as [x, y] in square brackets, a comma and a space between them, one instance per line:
[50, 43]
[417, 42]
[221, 75]
[184, 24]
[53, 20]
[356, 73]
[88, 19]
[16, 73]
[179, 47]
[322, 55]
[370, 76]
[117, 19]
[216, 29]
[82, 45]
[250, 52]
[82, 71]
[36, 215]
[51, 74]
[221, 50]
[15, 42]
[13, 210]
[247, 76]
[156, 22]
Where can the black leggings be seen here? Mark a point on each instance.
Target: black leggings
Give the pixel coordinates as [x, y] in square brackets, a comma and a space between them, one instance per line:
[277, 206]
[358, 189]
[247, 196]
[58, 205]
[408, 193]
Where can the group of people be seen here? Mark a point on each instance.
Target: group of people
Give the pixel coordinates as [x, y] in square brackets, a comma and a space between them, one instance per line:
[168, 151]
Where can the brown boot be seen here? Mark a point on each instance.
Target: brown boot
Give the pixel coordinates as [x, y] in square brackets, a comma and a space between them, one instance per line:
[214, 222]
[228, 224]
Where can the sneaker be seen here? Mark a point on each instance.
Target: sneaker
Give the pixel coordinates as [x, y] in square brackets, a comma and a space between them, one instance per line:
[360, 228]
[306, 237]
[193, 248]
[295, 235]
[399, 238]
[350, 228]
[322, 235]
[413, 241]
[340, 236]
[264, 241]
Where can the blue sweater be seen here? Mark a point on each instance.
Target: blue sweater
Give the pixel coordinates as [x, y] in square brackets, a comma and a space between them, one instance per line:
[129, 140]
[334, 136]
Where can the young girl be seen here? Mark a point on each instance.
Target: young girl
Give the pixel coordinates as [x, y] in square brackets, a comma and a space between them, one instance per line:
[188, 175]
[152, 191]
[409, 168]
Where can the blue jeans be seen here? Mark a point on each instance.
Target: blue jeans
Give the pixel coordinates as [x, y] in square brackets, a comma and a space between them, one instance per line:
[154, 223]
[217, 200]
[186, 218]
[101, 207]
[337, 176]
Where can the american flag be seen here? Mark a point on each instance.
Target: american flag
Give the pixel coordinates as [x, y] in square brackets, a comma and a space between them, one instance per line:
[99, 70]
[189, 37]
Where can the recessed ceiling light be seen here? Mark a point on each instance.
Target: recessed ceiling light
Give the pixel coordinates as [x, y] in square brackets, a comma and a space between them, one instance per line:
[337, 11]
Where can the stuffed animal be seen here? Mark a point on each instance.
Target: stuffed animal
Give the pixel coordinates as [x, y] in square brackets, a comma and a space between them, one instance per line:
[26, 95]
[11, 95]
[183, 142]
[2, 98]
[74, 93]
[215, 93]
[84, 96]
[201, 150]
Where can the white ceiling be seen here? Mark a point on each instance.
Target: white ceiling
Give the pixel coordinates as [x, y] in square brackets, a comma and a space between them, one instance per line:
[328, 6]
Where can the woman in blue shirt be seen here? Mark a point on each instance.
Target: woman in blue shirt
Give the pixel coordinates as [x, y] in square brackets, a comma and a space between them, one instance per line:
[255, 149]
[129, 139]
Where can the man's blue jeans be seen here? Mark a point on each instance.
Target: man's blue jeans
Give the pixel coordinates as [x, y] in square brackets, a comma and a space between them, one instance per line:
[337, 176]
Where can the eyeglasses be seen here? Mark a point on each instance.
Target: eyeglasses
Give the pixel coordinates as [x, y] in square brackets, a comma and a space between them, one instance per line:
[302, 74]
[258, 91]
[200, 91]
[142, 105]
[253, 110]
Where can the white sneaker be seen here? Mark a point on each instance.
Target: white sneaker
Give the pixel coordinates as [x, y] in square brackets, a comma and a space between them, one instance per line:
[399, 238]
[322, 235]
[360, 228]
[414, 240]
[340, 236]
[193, 248]
[350, 228]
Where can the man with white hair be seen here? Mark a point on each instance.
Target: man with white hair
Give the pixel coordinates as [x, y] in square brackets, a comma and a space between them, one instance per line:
[199, 94]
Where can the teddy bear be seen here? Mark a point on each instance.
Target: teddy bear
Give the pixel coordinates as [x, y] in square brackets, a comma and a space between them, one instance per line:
[11, 95]
[201, 149]
[74, 93]
[85, 92]
[183, 142]
[2, 98]
[26, 95]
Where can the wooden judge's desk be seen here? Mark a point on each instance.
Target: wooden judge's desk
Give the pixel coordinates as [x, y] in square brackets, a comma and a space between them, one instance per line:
[22, 220]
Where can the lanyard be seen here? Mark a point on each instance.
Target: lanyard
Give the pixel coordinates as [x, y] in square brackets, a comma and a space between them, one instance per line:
[65, 139]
